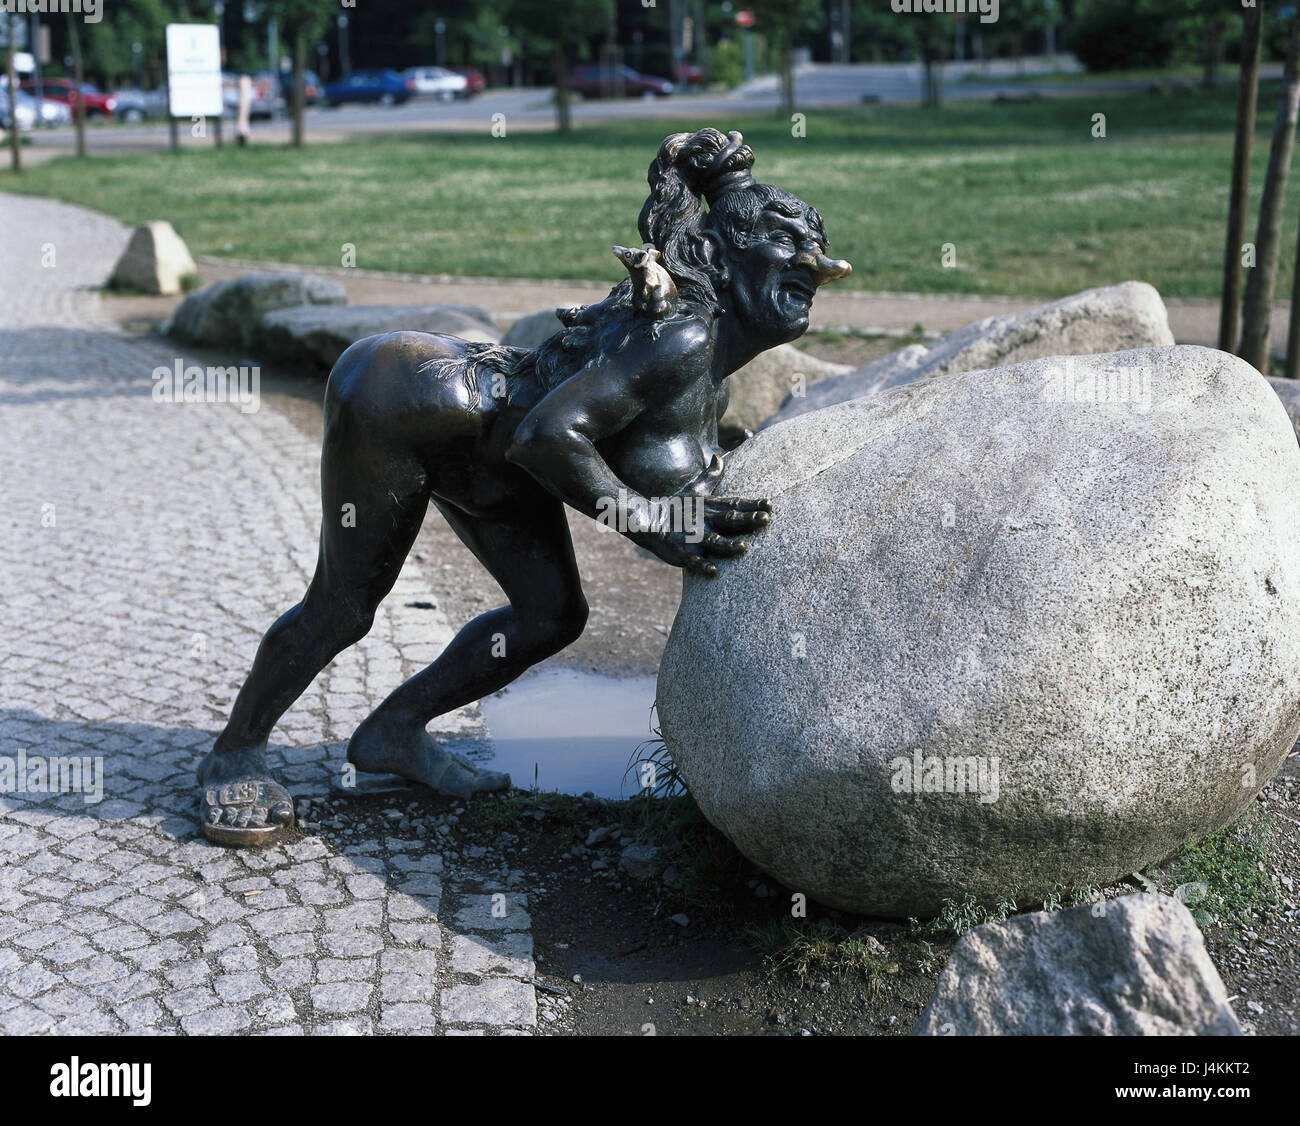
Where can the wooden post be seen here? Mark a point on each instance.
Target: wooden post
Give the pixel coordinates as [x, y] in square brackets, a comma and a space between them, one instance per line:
[1247, 97]
[1257, 314]
[15, 141]
[79, 102]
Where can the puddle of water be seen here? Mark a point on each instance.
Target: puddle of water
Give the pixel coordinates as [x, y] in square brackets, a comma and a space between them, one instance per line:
[577, 729]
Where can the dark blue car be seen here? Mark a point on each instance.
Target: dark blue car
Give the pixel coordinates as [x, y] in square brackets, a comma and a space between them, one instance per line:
[386, 87]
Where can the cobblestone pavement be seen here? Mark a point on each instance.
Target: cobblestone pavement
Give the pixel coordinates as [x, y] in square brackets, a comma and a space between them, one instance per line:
[148, 546]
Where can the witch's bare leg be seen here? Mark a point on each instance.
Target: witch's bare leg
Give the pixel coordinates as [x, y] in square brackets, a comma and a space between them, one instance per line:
[362, 550]
[531, 557]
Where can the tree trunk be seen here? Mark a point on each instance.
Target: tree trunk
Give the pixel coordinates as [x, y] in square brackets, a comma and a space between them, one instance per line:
[562, 120]
[1211, 37]
[79, 103]
[1291, 370]
[787, 77]
[299, 84]
[15, 141]
[1256, 316]
[1247, 96]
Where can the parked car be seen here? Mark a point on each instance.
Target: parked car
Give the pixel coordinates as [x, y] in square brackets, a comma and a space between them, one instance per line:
[266, 102]
[52, 113]
[475, 83]
[438, 81]
[311, 85]
[137, 105]
[691, 75]
[386, 87]
[65, 90]
[28, 111]
[587, 81]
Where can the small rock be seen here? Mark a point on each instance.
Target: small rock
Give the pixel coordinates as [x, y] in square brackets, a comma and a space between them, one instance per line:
[643, 862]
[156, 260]
[681, 920]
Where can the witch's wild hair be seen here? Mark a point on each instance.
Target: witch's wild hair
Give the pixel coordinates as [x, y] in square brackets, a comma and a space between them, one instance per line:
[689, 170]
[706, 166]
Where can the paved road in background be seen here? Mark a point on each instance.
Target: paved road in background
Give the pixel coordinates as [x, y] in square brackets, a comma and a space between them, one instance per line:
[819, 86]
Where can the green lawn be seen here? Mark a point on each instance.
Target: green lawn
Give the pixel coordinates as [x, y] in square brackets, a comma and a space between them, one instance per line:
[1033, 204]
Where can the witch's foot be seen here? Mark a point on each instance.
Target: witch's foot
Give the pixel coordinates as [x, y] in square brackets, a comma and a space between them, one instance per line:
[240, 803]
[410, 751]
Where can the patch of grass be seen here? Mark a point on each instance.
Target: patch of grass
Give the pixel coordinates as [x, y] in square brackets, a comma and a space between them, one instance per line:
[190, 282]
[1033, 203]
[821, 950]
[515, 809]
[956, 918]
[710, 867]
[1075, 895]
[1225, 876]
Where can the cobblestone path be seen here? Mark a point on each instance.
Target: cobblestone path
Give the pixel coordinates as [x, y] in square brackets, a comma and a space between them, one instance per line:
[147, 546]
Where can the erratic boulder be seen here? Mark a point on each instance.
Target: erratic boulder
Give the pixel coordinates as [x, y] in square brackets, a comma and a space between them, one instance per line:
[532, 330]
[893, 370]
[759, 387]
[315, 336]
[1133, 966]
[156, 260]
[1288, 390]
[1007, 629]
[1116, 318]
[229, 314]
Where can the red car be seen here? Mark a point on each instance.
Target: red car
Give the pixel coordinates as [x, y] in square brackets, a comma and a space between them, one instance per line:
[474, 80]
[65, 90]
[587, 81]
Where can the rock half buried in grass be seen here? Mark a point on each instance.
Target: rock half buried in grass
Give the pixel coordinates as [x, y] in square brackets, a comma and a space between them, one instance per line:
[229, 314]
[999, 635]
[314, 336]
[1133, 966]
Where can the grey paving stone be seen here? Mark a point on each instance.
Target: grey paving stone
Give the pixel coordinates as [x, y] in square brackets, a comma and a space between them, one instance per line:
[495, 1000]
[129, 619]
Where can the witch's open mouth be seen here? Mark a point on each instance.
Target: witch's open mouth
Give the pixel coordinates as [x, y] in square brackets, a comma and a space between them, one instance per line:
[796, 287]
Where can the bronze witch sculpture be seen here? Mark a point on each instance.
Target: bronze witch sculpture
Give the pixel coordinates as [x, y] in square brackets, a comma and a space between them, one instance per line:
[622, 402]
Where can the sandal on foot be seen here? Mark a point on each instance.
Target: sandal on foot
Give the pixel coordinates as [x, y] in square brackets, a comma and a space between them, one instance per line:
[247, 811]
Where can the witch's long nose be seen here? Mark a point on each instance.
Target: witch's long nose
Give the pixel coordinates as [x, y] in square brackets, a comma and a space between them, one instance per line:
[824, 269]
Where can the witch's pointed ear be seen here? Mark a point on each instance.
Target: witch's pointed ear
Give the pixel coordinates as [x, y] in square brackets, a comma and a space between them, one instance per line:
[713, 253]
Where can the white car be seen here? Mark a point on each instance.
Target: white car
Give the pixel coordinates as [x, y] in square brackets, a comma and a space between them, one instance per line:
[54, 113]
[438, 81]
[28, 111]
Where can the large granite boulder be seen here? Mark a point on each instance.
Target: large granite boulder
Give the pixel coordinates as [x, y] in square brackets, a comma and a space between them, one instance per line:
[315, 336]
[1134, 966]
[1116, 318]
[156, 260]
[1007, 629]
[1288, 390]
[229, 314]
[759, 387]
